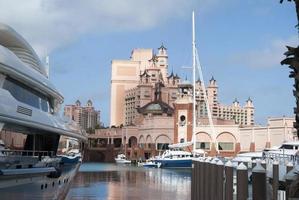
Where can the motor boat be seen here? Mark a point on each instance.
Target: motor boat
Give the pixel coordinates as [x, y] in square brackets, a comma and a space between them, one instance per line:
[247, 157]
[31, 127]
[71, 151]
[121, 159]
[287, 151]
[150, 163]
[175, 158]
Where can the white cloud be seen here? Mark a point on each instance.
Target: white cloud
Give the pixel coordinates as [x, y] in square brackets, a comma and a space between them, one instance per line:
[268, 56]
[50, 24]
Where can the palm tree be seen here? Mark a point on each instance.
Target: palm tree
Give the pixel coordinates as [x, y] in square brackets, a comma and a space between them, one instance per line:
[292, 59]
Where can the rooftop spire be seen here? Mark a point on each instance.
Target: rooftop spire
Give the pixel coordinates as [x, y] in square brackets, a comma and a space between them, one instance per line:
[162, 47]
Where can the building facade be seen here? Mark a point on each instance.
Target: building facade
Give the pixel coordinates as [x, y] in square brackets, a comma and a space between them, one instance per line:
[143, 70]
[124, 76]
[156, 109]
[241, 115]
[86, 116]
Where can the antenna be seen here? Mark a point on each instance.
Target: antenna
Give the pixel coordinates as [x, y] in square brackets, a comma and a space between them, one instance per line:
[48, 66]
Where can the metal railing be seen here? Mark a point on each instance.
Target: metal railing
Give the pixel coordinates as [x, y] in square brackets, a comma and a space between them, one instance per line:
[281, 157]
[26, 153]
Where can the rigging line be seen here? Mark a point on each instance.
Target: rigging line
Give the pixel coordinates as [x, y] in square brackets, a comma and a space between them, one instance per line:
[194, 76]
[199, 70]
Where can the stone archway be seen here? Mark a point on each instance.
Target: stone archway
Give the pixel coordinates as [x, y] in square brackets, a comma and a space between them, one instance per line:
[203, 141]
[149, 141]
[141, 142]
[132, 142]
[226, 142]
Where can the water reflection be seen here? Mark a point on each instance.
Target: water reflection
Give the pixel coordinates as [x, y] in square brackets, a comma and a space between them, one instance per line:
[113, 182]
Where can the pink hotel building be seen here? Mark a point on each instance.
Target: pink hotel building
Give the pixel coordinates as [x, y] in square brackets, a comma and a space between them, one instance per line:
[154, 109]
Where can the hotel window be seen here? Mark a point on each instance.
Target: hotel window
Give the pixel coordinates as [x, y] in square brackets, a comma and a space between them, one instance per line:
[203, 145]
[225, 146]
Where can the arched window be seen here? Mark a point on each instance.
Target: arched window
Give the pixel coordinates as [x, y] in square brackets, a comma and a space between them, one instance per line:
[132, 141]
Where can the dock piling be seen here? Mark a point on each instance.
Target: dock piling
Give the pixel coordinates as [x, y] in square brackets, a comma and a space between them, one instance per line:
[259, 190]
[275, 179]
[219, 180]
[228, 180]
[242, 182]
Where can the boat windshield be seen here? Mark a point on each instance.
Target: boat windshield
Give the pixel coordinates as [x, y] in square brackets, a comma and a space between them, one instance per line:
[289, 146]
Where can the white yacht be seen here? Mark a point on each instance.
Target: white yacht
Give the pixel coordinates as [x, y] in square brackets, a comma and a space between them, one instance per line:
[286, 151]
[121, 159]
[30, 126]
[175, 158]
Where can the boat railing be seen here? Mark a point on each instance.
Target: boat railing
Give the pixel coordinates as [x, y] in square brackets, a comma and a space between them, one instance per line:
[26, 153]
[281, 157]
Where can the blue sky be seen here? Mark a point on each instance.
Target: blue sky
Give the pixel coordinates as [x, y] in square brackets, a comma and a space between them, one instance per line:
[240, 43]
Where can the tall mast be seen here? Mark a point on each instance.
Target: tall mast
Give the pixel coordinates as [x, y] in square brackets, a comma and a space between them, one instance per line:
[193, 67]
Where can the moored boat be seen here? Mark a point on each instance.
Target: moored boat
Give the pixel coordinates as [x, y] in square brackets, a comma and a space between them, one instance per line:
[31, 129]
[121, 159]
[175, 158]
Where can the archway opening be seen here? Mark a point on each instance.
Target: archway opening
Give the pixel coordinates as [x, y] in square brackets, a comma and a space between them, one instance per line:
[162, 142]
[203, 141]
[132, 142]
[226, 142]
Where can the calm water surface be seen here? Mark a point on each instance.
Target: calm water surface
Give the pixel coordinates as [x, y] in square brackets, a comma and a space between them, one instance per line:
[113, 182]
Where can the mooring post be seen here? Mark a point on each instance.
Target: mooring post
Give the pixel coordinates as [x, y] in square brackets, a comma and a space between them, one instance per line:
[242, 182]
[197, 189]
[228, 180]
[288, 178]
[193, 181]
[259, 189]
[201, 178]
[205, 175]
[219, 180]
[207, 179]
[213, 174]
[275, 179]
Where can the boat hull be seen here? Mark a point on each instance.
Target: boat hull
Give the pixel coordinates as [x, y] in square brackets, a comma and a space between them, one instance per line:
[150, 165]
[122, 161]
[173, 163]
[38, 186]
[70, 160]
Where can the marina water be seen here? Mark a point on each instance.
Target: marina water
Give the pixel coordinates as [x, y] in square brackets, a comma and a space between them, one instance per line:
[113, 182]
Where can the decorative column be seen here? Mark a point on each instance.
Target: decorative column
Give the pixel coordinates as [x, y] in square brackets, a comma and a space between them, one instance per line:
[252, 144]
[268, 143]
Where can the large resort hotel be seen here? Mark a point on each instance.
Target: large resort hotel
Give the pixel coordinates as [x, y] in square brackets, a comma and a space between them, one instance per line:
[152, 108]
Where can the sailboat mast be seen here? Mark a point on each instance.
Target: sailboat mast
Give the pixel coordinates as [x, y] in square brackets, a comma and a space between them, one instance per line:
[194, 81]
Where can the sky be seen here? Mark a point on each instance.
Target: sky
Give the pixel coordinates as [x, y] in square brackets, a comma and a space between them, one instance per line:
[240, 43]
